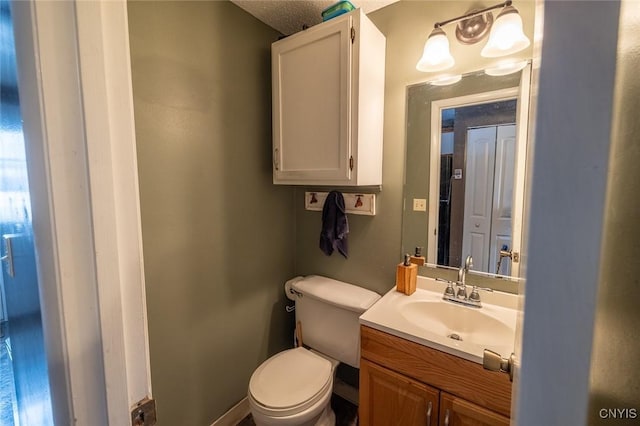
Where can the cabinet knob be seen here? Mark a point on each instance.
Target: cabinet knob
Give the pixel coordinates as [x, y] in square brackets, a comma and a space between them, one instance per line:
[446, 418]
[429, 409]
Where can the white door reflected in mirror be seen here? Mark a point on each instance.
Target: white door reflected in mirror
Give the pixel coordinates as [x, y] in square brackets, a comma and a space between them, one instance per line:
[475, 182]
[478, 153]
[488, 195]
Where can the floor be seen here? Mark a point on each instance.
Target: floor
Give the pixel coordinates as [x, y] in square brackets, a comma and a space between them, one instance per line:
[25, 380]
[8, 407]
[346, 413]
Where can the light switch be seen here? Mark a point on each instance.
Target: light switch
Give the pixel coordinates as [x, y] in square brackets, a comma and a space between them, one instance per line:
[419, 205]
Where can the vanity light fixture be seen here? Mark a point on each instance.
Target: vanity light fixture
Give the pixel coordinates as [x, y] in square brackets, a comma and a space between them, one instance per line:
[506, 36]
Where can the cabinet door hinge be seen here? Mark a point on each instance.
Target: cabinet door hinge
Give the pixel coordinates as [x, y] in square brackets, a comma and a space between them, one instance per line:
[353, 35]
[351, 163]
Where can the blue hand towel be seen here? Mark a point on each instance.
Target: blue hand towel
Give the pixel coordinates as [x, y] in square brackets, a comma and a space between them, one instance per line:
[335, 226]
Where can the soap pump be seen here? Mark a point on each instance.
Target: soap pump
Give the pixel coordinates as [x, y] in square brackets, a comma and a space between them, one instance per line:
[418, 258]
[406, 276]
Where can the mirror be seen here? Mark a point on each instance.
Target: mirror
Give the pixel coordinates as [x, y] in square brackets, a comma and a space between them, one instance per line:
[465, 159]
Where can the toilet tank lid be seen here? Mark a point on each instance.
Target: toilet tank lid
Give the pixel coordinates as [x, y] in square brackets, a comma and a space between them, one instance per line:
[338, 293]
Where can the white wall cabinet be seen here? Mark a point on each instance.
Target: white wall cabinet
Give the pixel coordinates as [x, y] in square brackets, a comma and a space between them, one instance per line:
[328, 104]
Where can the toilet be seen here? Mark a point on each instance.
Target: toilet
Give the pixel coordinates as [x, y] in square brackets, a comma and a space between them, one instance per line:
[294, 387]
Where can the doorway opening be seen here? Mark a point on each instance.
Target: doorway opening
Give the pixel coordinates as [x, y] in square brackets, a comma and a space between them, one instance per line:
[25, 394]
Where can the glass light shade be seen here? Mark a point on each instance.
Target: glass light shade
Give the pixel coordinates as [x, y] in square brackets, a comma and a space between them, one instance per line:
[445, 80]
[436, 55]
[506, 35]
[505, 68]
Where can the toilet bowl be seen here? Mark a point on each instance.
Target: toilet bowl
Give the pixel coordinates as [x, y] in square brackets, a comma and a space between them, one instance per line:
[294, 388]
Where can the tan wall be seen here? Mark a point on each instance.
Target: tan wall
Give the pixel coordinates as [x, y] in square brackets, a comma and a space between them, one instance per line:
[615, 369]
[376, 242]
[217, 234]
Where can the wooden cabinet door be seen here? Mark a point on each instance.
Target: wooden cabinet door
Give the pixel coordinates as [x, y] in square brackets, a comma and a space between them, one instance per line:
[311, 104]
[455, 411]
[391, 399]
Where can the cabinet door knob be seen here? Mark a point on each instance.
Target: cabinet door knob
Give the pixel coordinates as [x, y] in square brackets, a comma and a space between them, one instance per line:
[446, 418]
[429, 408]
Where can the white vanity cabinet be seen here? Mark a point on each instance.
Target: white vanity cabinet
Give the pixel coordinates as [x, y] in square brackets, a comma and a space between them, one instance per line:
[328, 104]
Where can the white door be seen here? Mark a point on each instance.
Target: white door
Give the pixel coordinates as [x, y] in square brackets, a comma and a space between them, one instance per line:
[503, 182]
[311, 91]
[478, 195]
[489, 182]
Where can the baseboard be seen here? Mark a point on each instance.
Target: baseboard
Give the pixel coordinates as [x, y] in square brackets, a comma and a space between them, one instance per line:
[345, 391]
[241, 410]
[234, 415]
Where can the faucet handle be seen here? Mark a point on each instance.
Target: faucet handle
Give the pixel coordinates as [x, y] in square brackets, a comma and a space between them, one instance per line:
[449, 291]
[475, 296]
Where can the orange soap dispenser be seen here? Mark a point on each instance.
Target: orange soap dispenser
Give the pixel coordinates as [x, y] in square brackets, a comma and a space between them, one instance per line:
[406, 276]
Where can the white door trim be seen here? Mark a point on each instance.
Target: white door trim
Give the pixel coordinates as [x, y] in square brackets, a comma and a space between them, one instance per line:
[75, 88]
[105, 71]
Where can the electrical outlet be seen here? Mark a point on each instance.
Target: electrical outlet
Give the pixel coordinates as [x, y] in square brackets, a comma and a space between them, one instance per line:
[144, 413]
[419, 205]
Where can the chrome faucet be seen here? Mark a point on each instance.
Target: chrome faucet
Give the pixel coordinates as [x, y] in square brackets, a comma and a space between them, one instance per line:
[461, 296]
[462, 273]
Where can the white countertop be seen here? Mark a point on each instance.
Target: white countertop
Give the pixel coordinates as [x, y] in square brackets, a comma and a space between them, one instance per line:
[400, 315]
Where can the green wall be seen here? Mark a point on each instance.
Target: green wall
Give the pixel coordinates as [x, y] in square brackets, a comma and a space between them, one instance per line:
[217, 234]
[615, 373]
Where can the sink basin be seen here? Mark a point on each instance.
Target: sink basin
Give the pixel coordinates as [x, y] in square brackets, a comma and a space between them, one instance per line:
[456, 322]
[462, 331]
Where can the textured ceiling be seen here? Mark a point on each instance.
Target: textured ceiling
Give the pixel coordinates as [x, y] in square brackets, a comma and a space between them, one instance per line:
[288, 16]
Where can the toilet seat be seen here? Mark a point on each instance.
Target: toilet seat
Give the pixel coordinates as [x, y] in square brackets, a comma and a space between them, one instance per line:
[290, 382]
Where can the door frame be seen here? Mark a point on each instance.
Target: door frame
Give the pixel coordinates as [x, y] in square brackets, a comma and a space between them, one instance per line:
[77, 105]
[434, 170]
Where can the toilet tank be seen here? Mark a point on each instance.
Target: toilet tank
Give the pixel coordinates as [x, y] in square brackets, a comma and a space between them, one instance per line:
[328, 311]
